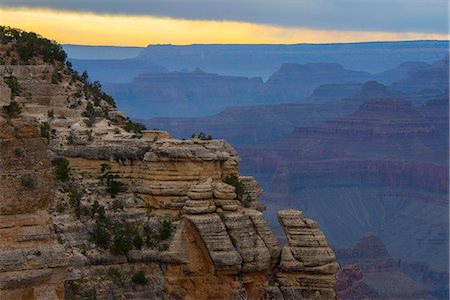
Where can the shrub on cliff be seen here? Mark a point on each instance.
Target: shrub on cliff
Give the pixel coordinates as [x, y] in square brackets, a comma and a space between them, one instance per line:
[75, 201]
[202, 136]
[14, 109]
[131, 126]
[56, 77]
[138, 242]
[62, 170]
[139, 278]
[93, 90]
[91, 113]
[166, 230]
[30, 44]
[14, 85]
[113, 187]
[100, 235]
[241, 191]
[45, 130]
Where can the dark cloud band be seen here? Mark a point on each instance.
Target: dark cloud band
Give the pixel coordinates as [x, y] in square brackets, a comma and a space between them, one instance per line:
[425, 16]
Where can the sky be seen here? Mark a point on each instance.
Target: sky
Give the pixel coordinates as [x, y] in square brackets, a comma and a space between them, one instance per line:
[143, 22]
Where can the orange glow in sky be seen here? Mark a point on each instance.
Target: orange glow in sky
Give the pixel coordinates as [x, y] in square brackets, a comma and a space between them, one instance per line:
[123, 30]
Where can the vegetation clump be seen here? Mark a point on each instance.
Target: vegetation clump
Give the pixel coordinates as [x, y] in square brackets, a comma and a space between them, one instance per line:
[113, 187]
[166, 230]
[14, 85]
[139, 278]
[92, 113]
[123, 239]
[202, 136]
[61, 206]
[241, 191]
[93, 90]
[62, 170]
[30, 44]
[14, 109]
[137, 128]
[75, 201]
[45, 131]
[118, 236]
[56, 77]
[115, 275]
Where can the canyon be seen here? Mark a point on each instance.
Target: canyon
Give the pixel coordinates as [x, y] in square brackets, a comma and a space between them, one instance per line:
[370, 162]
[92, 206]
[365, 155]
[198, 93]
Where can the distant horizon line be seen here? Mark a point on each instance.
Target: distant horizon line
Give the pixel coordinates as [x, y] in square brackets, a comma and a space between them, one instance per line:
[260, 44]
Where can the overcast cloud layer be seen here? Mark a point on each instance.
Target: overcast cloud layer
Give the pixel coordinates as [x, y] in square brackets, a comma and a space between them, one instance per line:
[425, 16]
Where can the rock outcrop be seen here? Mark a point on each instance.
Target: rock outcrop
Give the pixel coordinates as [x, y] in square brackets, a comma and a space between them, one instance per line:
[92, 207]
[306, 258]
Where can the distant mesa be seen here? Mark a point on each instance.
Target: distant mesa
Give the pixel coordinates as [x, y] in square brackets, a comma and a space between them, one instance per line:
[434, 77]
[294, 81]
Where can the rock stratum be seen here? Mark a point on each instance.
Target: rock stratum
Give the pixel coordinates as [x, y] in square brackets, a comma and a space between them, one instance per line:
[90, 210]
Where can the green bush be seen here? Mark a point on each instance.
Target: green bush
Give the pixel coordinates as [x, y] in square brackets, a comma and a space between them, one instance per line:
[105, 167]
[202, 136]
[92, 113]
[75, 201]
[96, 208]
[122, 242]
[131, 126]
[166, 230]
[241, 191]
[45, 130]
[56, 77]
[138, 242]
[113, 187]
[14, 109]
[100, 235]
[139, 278]
[151, 242]
[14, 85]
[238, 184]
[115, 276]
[62, 170]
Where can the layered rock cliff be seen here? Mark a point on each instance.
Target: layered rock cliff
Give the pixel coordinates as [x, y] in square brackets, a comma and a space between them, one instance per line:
[92, 207]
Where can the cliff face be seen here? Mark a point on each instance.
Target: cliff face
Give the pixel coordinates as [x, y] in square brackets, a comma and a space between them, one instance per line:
[132, 217]
[33, 263]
